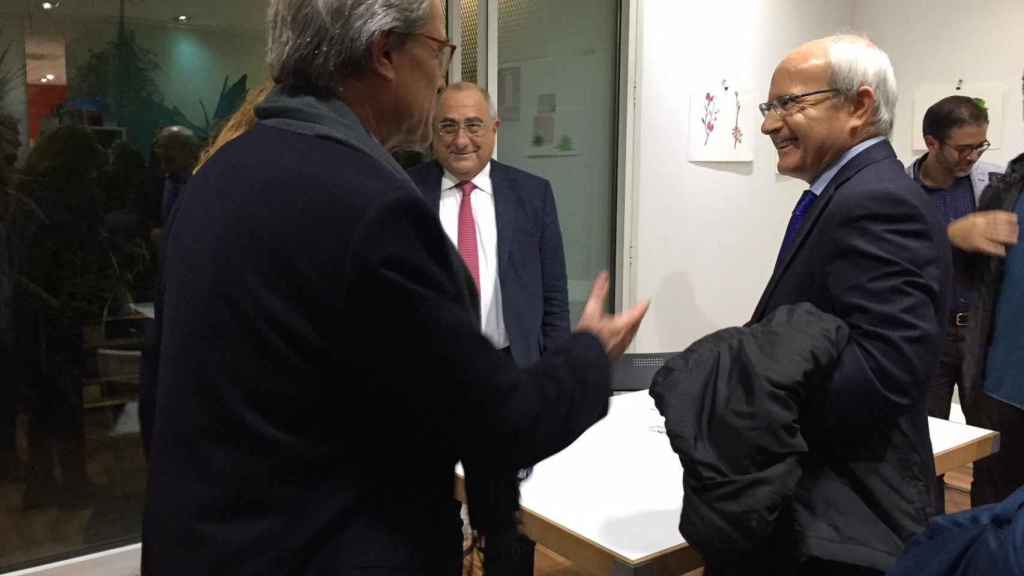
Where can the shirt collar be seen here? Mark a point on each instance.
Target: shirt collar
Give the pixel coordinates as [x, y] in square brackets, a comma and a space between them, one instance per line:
[917, 176]
[822, 181]
[482, 180]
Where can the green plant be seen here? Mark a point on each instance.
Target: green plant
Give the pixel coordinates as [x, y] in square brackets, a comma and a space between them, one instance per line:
[122, 77]
[11, 75]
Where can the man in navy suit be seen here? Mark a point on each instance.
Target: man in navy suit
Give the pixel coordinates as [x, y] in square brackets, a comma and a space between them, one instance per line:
[505, 225]
[864, 244]
[524, 302]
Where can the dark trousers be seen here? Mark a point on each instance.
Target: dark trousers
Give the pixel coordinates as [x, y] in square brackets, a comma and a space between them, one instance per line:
[996, 476]
[940, 394]
[508, 554]
[999, 475]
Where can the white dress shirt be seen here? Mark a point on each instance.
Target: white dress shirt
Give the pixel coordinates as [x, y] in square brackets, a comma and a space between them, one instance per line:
[491, 318]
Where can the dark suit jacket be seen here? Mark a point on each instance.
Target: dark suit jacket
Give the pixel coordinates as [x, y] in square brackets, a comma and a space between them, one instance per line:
[873, 252]
[531, 260]
[318, 371]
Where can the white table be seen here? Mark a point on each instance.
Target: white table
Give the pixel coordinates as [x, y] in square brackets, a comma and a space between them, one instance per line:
[611, 501]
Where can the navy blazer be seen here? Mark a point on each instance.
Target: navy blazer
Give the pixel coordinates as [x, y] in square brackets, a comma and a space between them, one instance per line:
[317, 370]
[531, 260]
[873, 252]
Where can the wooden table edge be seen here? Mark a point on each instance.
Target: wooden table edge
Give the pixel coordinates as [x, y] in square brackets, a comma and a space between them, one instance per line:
[964, 454]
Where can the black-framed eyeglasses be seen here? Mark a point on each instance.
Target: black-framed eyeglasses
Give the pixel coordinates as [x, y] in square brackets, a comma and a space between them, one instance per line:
[450, 128]
[785, 104]
[965, 150]
[445, 49]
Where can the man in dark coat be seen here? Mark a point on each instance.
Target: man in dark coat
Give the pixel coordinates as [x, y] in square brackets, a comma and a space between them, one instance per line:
[993, 339]
[319, 367]
[865, 245]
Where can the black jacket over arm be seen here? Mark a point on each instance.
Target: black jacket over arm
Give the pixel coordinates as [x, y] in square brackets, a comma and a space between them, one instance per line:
[732, 403]
[318, 371]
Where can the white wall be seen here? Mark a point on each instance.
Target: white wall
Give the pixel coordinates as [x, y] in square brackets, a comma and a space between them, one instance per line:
[706, 236]
[939, 41]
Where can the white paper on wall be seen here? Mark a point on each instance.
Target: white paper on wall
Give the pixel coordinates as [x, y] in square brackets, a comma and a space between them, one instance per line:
[992, 93]
[722, 126]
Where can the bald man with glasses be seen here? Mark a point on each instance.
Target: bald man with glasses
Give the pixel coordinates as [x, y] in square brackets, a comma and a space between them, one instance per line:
[505, 225]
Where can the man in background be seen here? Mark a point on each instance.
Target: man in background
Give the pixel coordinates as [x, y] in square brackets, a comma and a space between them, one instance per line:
[175, 153]
[956, 134]
[504, 223]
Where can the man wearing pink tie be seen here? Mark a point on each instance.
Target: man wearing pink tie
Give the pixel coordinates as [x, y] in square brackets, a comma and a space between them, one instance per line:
[505, 225]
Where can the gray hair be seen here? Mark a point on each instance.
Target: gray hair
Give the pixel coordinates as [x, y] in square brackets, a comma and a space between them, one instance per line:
[313, 45]
[470, 86]
[856, 62]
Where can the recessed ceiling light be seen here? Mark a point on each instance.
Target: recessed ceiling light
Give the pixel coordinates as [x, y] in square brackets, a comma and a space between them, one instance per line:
[51, 77]
[182, 19]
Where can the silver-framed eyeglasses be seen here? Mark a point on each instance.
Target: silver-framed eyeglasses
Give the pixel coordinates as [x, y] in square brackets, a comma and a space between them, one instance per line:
[785, 104]
[966, 150]
[450, 128]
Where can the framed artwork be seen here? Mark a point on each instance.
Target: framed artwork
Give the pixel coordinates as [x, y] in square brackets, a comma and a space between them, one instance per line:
[722, 125]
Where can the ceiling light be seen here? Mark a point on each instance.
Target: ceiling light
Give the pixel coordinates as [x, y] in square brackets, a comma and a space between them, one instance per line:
[51, 77]
[50, 5]
[44, 79]
[182, 19]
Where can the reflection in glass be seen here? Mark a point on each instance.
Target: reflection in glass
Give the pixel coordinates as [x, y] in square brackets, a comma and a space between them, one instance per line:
[557, 83]
[85, 91]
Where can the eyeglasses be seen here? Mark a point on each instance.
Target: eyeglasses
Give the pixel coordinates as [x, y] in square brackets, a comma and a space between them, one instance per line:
[785, 104]
[966, 150]
[450, 128]
[445, 49]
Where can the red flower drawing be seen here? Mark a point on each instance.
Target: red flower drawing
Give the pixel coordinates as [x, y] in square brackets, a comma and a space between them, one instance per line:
[710, 116]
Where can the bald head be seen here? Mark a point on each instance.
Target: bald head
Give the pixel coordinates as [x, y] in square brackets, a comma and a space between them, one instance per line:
[178, 149]
[852, 62]
[828, 95]
[467, 129]
[462, 87]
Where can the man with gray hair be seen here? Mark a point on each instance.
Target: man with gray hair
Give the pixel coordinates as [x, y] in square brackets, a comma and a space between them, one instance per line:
[864, 244]
[319, 369]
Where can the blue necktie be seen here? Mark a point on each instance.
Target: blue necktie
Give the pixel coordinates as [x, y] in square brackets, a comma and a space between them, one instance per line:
[803, 206]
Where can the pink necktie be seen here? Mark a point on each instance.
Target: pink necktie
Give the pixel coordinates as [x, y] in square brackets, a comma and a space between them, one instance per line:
[467, 232]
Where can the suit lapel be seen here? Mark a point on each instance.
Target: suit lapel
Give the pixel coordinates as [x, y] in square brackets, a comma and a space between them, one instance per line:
[504, 213]
[431, 186]
[873, 154]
